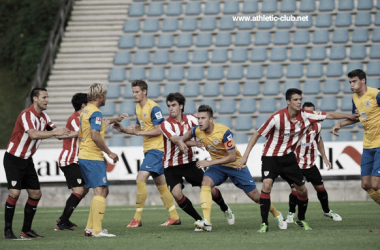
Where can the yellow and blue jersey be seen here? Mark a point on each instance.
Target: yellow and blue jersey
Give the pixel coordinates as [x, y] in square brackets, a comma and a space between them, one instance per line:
[147, 117]
[218, 142]
[368, 106]
[90, 118]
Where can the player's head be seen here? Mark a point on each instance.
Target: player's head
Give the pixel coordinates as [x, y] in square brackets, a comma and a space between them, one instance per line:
[40, 97]
[308, 106]
[139, 89]
[176, 104]
[78, 100]
[97, 91]
[294, 98]
[357, 79]
[205, 117]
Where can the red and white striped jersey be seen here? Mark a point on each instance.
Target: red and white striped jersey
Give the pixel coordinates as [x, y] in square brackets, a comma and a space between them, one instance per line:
[282, 134]
[69, 154]
[307, 148]
[20, 144]
[170, 127]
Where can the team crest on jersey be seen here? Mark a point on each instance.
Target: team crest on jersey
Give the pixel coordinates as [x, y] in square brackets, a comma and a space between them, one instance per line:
[98, 121]
[104, 180]
[142, 124]
[79, 181]
[266, 173]
[158, 115]
[368, 104]
[211, 148]
[144, 116]
[13, 183]
[215, 141]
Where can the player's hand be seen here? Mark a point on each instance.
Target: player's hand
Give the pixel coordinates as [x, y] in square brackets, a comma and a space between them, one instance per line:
[114, 157]
[327, 163]
[335, 129]
[118, 127]
[106, 124]
[354, 117]
[131, 130]
[62, 132]
[122, 117]
[241, 163]
[200, 145]
[183, 147]
[203, 164]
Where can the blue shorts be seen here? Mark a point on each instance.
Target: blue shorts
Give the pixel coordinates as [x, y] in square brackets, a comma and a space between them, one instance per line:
[370, 163]
[153, 163]
[242, 179]
[94, 173]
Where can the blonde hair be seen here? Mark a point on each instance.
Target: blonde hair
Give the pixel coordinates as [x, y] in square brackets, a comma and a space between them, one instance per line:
[96, 90]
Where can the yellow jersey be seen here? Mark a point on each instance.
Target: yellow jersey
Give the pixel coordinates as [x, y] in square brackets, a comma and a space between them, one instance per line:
[369, 115]
[218, 142]
[90, 118]
[147, 117]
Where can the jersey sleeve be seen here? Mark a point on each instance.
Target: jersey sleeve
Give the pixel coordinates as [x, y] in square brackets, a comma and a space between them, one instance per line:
[137, 121]
[193, 134]
[96, 120]
[228, 141]
[75, 123]
[50, 125]
[266, 127]
[314, 116]
[167, 130]
[354, 107]
[156, 116]
[378, 98]
[27, 123]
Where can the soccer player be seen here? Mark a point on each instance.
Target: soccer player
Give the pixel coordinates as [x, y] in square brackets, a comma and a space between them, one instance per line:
[179, 160]
[307, 151]
[91, 159]
[282, 131]
[32, 126]
[218, 141]
[148, 120]
[367, 102]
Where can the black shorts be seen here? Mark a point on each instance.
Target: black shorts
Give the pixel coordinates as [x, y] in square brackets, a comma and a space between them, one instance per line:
[20, 173]
[312, 175]
[189, 171]
[285, 166]
[73, 175]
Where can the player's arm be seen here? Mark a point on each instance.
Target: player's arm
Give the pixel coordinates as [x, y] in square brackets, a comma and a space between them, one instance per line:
[118, 119]
[98, 140]
[36, 134]
[337, 116]
[338, 126]
[231, 157]
[72, 134]
[321, 149]
[252, 142]
[168, 132]
[155, 131]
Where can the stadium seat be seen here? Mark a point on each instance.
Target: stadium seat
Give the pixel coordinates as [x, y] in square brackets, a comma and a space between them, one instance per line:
[122, 58]
[136, 9]
[294, 70]
[374, 52]
[219, 56]
[204, 39]
[340, 36]
[156, 74]
[265, 24]
[161, 57]
[210, 103]
[200, 56]
[195, 73]
[154, 91]
[360, 36]
[275, 71]
[312, 87]
[301, 37]
[268, 105]
[278, 54]
[250, 6]
[321, 36]
[326, 135]
[246, 25]
[184, 40]
[326, 5]
[318, 53]
[223, 39]
[283, 103]
[109, 109]
[170, 24]
[208, 23]
[376, 35]
[334, 69]
[281, 37]
[247, 106]
[261, 38]
[127, 42]
[241, 138]
[354, 65]
[189, 24]
[176, 73]
[113, 91]
[313, 100]
[226, 23]
[212, 8]
[171, 88]
[193, 8]
[215, 73]
[288, 6]
[358, 52]
[211, 89]
[128, 107]
[365, 5]
[314, 70]
[180, 56]
[231, 89]
[235, 72]
[291, 84]
[227, 106]
[156, 9]
[251, 88]
[271, 88]
[142, 57]
[146, 41]
[346, 104]
[373, 82]
[298, 54]
[260, 120]
[338, 52]
[128, 91]
[225, 120]
[305, 24]
[307, 5]
[239, 55]
[346, 5]
[269, 6]
[344, 136]
[231, 7]
[165, 41]
[164, 108]
[255, 71]
[243, 123]
[174, 9]
[135, 141]
[329, 103]
[136, 74]
[331, 87]
[117, 141]
[328, 124]
[324, 20]
[259, 55]
[346, 87]
[243, 38]
[363, 19]
[360, 135]
[343, 20]
[132, 25]
[284, 24]
[373, 68]
[151, 25]
[190, 107]
[117, 75]
[377, 19]
[191, 89]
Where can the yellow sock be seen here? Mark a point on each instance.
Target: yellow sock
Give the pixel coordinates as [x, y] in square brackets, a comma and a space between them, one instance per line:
[90, 218]
[167, 199]
[98, 210]
[274, 211]
[206, 202]
[375, 195]
[140, 199]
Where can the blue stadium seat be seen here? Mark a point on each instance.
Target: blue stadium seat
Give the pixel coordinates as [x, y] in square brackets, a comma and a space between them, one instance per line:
[190, 107]
[278, 54]
[210, 103]
[122, 58]
[127, 42]
[113, 91]
[200, 56]
[128, 107]
[307, 5]
[328, 124]
[151, 25]
[146, 41]
[265, 24]
[326, 5]
[378, 5]
[165, 41]
[354, 65]
[346, 5]
[176, 73]
[269, 6]
[331, 87]
[109, 109]
[281, 37]
[246, 25]
[376, 35]
[373, 82]
[321, 36]
[298, 54]
[171, 88]
[132, 25]
[250, 6]
[286, 24]
[365, 5]
[247, 106]
[117, 141]
[170, 24]
[243, 39]
[251, 88]
[211, 89]
[338, 52]
[305, 24]
[360, 35]
[117, 75]
[359, 135]
[314, 70]
[329, 103]
[231, 7]
[193, 8]
[260, 120]
[283, 103]
[195, 73]
[291, 84]
[363, 19]
[262, 38]
[128, 91]
[358, 52]
[227, 106]
[164, 108]
[346, 104]
[154, 90]
[241, 138]
[340, 36]
[231, 89]
[288, 6]
[125, 123]
[374, 52]
[235, 72]
[225, 120]
[223, 39]
[301, 37]
[174, 9]
[343, 20]
[243, 123]
[184, 40]
[275, 71]
[313, 100]
[346, 87]
[268, 105]
[156, 74]
[344, 136]
[180, 56]
[136, 74]
[324, 20]
[334, 69]
[271, 88]
[215, 73]
[208, 23]
[161, 57]
[377, 19]
[294, 70]
[311, 87]
[373, 68]
[255, 71]
[156, 9]
[212, 8]
[259, 55]
[219, 56]
[318, 53]
[204, 39]
[135, 141]
[326, 135]
[136, 9]
[226, 23]
[239, 55]
[189, 24]
[191, 89]
[142, 57]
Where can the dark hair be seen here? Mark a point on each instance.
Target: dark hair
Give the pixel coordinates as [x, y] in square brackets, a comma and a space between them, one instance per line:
[79, 99]
[35, 93]
[140, 83]
[291, 92]
[178, 97]
[359, 73]
[206, 108]
[307, 105]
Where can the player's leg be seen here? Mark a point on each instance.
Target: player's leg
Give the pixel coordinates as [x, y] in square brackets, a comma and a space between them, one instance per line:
[368, 167]
[141, 179]
[292, 204]
[375, 174]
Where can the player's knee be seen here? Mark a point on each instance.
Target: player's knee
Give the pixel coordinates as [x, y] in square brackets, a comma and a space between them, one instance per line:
[177, 195]
[366, 186]
[14, 193]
